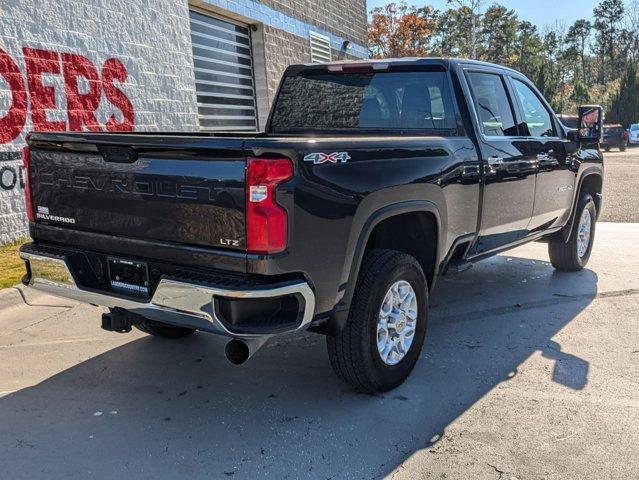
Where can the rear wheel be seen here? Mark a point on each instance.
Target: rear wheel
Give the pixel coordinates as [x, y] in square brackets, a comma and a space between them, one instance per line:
[573, 255]
[162, 330]
[382, 339]
[622, 149]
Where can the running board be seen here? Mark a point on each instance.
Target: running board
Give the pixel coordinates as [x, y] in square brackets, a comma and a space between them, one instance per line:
[458, 266]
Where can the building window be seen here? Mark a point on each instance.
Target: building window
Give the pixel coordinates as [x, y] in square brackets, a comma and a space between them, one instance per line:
[223, 73]
[320, 48]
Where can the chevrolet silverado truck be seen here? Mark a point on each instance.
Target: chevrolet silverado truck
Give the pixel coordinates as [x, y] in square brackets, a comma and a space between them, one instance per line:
[370, 180]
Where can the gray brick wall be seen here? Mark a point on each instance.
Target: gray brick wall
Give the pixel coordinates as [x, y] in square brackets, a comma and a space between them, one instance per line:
[151, 40]
[346, 18]
[279, 49]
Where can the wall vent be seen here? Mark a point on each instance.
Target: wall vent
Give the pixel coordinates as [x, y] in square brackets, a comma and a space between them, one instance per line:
[320, 48]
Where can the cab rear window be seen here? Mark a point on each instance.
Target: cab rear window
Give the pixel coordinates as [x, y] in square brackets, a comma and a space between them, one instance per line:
[365, 102]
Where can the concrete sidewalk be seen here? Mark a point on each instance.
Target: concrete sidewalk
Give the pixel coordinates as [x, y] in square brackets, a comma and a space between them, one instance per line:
[527, 373]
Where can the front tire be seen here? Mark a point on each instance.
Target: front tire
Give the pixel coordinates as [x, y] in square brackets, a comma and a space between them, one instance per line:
[379, 345]
[163, 330]
[573, 255]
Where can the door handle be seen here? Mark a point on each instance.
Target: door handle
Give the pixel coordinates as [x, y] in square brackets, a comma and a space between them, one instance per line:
[513, 167]
[546, 157]
[547, 160]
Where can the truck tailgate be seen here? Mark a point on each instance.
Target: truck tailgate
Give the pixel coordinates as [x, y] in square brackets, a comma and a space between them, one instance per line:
[171, 188]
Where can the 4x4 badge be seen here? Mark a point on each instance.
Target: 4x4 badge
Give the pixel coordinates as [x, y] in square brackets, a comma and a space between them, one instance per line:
[335, 157]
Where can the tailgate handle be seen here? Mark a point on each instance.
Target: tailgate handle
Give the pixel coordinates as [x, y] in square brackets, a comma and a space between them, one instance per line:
[117, 154]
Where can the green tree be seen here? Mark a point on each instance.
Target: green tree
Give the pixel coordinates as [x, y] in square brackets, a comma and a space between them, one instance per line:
[578, 38]
[529, 49]
[580, 94]
[499, 32]
[630, 36]
[471, 8]
[583, 64]
[624, 104]
[454, 33]
[608, 15]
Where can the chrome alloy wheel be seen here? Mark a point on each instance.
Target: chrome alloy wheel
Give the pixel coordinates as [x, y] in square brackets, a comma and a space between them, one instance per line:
[583, 233]
[396, 322]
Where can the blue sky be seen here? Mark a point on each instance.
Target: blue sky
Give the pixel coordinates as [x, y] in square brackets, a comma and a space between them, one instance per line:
[539, 12]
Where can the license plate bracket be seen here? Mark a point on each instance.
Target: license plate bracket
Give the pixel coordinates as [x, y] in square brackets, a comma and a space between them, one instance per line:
[129, 277]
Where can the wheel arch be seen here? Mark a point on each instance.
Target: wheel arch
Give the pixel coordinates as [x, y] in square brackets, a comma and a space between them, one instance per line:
[591, 181]
[374, 220]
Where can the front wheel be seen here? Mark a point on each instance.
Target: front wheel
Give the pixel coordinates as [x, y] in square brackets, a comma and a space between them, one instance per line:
[379, 345]
[573, 255]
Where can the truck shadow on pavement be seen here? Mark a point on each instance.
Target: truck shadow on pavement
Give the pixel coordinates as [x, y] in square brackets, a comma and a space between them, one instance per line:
[177, 409]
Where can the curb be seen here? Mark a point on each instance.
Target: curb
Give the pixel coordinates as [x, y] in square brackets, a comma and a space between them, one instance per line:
[11, 296]
[19, 295]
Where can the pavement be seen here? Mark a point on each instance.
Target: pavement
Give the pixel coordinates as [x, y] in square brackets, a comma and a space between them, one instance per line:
[527, 374]
[621, 178]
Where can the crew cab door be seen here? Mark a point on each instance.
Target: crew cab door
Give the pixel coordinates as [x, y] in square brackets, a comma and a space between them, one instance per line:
[543, 142]
[508, 171]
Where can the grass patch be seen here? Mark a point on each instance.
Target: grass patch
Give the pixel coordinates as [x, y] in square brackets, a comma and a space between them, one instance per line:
[11, 265]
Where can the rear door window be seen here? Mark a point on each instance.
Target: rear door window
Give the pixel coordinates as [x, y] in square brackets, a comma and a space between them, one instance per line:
[418, 102]
[492, 104]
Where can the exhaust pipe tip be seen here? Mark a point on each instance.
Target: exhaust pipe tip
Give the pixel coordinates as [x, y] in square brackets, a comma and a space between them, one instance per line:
[237, 352]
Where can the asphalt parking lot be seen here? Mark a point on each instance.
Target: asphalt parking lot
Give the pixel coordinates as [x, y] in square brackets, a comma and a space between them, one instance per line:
[621, 186]
[527, 374]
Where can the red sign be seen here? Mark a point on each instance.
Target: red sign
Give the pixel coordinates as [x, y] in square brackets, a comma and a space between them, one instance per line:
[81, 103]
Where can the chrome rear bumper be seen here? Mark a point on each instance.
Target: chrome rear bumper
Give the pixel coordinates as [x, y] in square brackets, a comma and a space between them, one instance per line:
[174, 302]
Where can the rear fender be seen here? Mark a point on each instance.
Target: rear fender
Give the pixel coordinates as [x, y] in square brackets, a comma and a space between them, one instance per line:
[408, 206]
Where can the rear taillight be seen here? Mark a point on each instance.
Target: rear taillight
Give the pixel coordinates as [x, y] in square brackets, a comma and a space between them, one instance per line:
[26, 161]
[266, 220]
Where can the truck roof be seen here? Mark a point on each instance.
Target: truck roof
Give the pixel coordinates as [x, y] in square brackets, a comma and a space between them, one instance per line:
[446, 62]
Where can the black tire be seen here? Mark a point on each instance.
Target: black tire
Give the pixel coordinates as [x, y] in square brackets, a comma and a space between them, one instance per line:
[607, 149]
[564, 255]
[622, 149]
[162, 330]
[353, 351]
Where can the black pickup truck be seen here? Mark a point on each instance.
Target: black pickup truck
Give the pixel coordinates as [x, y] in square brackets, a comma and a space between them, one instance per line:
[370, 181]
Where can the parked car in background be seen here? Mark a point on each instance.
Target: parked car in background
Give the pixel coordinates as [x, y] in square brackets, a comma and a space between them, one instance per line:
[614, 136]
[633, 134]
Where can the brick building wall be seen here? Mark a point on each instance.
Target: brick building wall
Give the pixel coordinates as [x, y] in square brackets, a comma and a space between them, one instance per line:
[45, 46]
[118, 65]
[343, 18]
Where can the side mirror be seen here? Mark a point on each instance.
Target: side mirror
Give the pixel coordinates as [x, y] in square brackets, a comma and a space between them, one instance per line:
[590, 124]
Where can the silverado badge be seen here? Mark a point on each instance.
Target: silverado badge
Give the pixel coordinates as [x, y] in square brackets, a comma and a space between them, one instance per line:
[336, 157]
